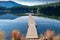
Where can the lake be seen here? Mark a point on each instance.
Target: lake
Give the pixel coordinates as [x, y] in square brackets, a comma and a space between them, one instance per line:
[20, 23]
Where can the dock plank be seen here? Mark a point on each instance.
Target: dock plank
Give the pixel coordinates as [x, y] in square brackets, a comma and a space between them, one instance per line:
[32, 32]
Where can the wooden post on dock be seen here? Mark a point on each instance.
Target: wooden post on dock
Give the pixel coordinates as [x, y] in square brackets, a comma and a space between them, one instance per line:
[2, 35]
[32, 32]
[16, 35]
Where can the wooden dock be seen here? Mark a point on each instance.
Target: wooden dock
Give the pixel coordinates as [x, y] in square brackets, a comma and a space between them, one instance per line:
[32, 32]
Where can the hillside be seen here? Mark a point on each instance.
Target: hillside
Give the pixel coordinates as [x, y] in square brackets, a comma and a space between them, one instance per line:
[9, 4]
[52, 9]
[49, 9]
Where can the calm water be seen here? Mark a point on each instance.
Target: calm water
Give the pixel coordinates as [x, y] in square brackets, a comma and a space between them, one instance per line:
[21, 24]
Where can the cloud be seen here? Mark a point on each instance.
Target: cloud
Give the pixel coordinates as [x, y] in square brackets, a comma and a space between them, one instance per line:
[32, 2]
[38, 0]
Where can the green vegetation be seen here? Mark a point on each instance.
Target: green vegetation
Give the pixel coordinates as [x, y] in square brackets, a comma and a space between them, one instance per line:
[49, 10]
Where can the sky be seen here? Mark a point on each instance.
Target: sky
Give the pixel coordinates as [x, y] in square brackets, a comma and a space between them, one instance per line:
[32, 2]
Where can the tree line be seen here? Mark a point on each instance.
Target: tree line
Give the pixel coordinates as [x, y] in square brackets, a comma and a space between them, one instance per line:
[52, 9]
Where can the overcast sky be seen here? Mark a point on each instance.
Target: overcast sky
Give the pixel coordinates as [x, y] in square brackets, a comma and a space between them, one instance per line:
[32, 2]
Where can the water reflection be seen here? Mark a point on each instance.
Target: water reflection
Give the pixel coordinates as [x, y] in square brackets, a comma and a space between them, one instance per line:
[21, 24]
[8, 16]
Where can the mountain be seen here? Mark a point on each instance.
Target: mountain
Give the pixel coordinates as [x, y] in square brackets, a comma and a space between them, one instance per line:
[9, 4]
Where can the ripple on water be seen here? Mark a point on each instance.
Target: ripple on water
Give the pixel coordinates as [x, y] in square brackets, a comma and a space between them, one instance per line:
[21, 24]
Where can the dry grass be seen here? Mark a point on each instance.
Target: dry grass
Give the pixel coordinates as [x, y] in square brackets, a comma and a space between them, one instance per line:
[49, 35]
